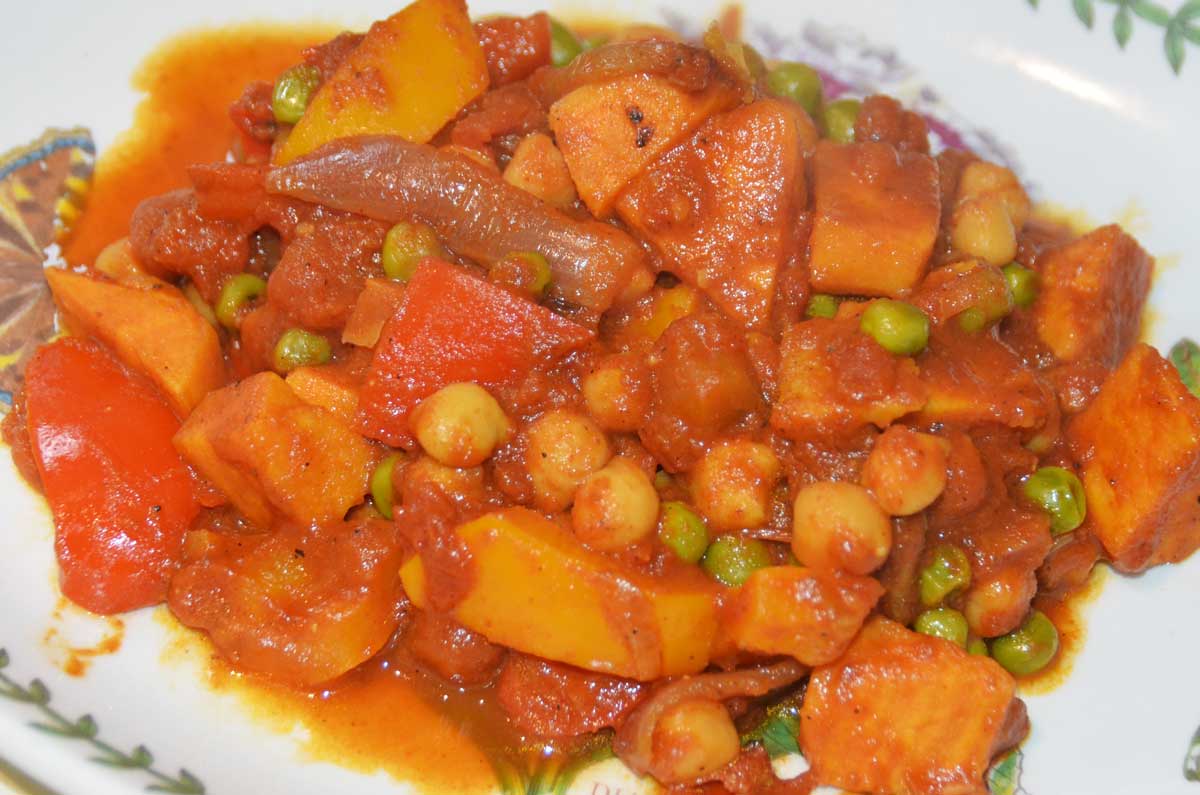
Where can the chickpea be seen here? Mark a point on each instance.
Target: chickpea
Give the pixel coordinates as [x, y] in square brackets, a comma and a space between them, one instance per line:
[460, 425]
[461, 485]
[997, 605]
[693, 739]
[982, 228]
[615, 507]
[731, 485]
[992, 208]
[840, 526]
[982, 178]
[906, 470]
[617, 392]
[564, 447]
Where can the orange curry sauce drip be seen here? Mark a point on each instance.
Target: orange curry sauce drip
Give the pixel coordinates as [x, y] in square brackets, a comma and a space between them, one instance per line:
[371, 720]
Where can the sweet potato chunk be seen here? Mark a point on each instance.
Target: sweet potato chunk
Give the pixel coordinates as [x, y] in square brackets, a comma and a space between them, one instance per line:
[412, 73]
[835, 379]
[268, 450]
[1139, 442]
[877, 216]
[154, 331]
[610, 132]
[1092, 297]
[328, 386]
[720, 208]
[973, 379]
[538, 167]
[534, 588]
[810, 615]
[299, 605]
[907, 713]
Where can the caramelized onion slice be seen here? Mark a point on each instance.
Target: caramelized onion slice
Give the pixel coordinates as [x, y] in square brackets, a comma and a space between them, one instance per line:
[634, 739]
[476, 213]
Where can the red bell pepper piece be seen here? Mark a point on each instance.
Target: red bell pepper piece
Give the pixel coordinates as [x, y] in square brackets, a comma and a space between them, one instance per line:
[121, 496]
[452, 327]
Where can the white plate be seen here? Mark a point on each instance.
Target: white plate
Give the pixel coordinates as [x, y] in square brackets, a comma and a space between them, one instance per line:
[1114, 133]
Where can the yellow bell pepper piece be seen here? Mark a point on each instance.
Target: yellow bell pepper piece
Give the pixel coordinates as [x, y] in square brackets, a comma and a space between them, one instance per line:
[534, 588]
[412, 73]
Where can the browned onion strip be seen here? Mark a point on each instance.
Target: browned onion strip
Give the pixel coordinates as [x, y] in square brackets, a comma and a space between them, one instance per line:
[633, 741]
[475, 212]
[688, 67]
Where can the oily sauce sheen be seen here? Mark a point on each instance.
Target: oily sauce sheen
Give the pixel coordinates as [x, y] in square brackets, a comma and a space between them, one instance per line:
[389, 714]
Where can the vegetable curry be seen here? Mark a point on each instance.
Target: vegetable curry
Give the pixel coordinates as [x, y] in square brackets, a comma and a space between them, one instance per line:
[620, 390]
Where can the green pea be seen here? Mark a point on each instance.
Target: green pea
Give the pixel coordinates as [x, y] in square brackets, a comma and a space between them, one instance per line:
[381, 485]
[1025, 283]
[732, 559]
[899, 327]
[943, 622]
[237, 293]
[838, 119]
[977, 647]
[1029, 648]
[300, 348]
[683, 531]
[293, 90]
[564, 47]
[972, 320]
[533, 269]
[663, 480]
[822, 305]
[405, 246]
[948, 571]
[1185, 355]
[1059, 493]
[798, 82]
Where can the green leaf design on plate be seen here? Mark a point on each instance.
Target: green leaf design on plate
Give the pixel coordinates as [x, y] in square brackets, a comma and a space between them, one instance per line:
[1005, 776]
[1179, 26]
[85, 729]
[1185, 355]
[1085, 11]
[1191, 761]
[778, 730]
[1122, 26]
[531, 773]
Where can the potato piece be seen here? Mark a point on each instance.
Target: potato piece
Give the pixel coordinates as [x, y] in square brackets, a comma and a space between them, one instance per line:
[973, 379]
[538, 167]
[1139, 442]
[267, 450]
[378, 301]
[720, 208]
[877, 216]
[153, 330]
[298, 605]
[1092, 297]
[808, 614]
[832, 378]
[412, 73]
[902, 712]
[534, 588]
[610, 132]
[329, 387]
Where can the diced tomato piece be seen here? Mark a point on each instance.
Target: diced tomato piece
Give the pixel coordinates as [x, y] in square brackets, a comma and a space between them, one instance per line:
[453, 327]
[514, 46]
[121, 496]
